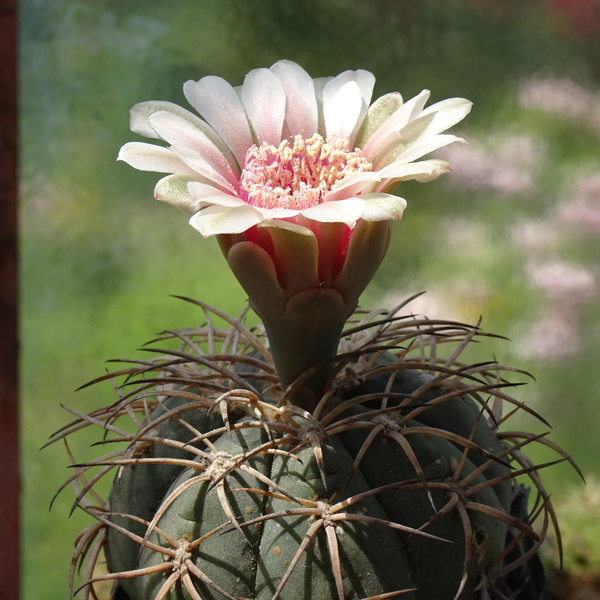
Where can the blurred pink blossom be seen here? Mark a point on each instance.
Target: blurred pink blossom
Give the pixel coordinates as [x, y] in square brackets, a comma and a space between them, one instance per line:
[567, 282]
[505, 165]
[583, 208]
[431, 305]
[589, 186]
[464, 237]
[562, 96]
[551, 338]
[536, 236]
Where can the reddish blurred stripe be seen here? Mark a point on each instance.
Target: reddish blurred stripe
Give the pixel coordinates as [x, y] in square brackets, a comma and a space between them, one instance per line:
[579, 16]
[9, 427]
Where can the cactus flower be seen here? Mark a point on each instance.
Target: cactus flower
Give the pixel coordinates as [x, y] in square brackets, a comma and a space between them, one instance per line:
[294, 176]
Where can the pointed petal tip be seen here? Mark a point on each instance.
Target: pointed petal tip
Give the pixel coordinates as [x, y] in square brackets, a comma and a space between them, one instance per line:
[383, 207]
[122, 152]
[214, 219]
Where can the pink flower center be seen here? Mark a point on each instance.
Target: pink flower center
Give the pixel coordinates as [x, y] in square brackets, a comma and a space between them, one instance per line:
[299, 173]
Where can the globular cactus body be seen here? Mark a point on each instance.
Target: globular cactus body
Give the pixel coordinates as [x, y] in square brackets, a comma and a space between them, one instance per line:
[398, 483]
[376, 559]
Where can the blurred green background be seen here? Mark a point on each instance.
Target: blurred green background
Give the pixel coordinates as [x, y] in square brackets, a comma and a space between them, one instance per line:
[513, 234]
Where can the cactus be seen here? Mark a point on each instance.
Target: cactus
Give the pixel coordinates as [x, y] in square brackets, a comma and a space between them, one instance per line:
[399, 482]
[326, 453]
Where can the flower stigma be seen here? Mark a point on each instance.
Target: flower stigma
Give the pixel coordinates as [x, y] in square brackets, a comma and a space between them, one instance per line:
[298, 174]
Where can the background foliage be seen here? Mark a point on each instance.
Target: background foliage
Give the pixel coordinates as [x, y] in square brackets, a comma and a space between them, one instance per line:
[513, 234]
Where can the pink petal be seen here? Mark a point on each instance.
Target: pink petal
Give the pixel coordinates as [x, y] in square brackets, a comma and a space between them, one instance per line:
[301, 111]
[220, 105]
[264, 101]
[148, 157]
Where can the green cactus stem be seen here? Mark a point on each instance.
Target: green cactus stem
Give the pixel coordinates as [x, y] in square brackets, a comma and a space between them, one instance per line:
[398, 482]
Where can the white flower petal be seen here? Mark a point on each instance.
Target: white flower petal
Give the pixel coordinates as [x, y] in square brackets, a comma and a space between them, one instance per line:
[423, 171]
[398, 143]
[381, 110]
[346, 211]
[180, 132]
[388, 131]
[369, 181]
[301, 111]
[264, 101]
[341, 108]
[382, 207]
[148, 157]
[222, 108]
[174, 191]
[446, 114]
[204, 195]
[365, 81]
[293, 227]
[276, 213]
[194, 160]
[142, 113]
[320, 83]
[426, 146]
[215, 220]
[426, 126]
[353, 186]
